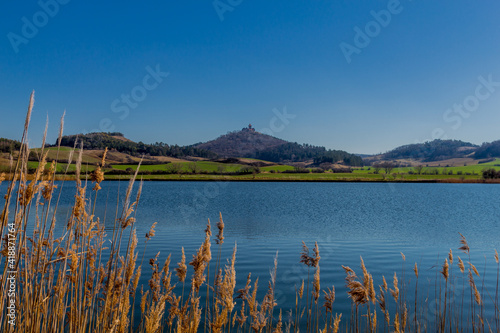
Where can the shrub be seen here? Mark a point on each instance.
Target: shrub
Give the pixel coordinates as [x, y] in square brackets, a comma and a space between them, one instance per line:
[342, 170]
[490, 173]
[297, 170]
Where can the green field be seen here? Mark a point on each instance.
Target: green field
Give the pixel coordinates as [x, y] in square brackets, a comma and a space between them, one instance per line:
[200, 166]
[61, 167]
[279, 168]
[200, 170]
[64, 153]
[476, 168]
[305, 177]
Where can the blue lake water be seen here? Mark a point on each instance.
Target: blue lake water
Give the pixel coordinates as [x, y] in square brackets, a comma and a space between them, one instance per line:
[348, 220]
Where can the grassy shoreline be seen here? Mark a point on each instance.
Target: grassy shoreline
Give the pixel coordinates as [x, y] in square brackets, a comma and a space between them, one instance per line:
[318, 178]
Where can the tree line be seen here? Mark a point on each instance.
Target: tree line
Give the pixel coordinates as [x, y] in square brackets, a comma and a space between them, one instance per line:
[294, 152]
[488, 150]
[9, 146]
[103, 140]
[435, 150]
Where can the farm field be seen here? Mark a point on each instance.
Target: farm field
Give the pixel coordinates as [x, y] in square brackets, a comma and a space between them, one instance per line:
[177, 169]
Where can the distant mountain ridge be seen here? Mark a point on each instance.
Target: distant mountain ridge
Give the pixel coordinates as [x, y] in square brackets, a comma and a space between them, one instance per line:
[248, 143]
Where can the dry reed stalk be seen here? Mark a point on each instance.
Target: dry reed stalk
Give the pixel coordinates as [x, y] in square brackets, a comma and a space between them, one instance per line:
[497, 313]
[307, 260]
[219, 241]
[224, 303]
[44, 138]
[445, 271]
[298, 303]
[415, 325]
[258, 321]
[395, 291]
[336, 323]
[465, 246]
[329, 299]
[356, 291]
[383, 307]
[181, 269]
[384, 283]
[316, 284]
[61, 130]
[279, 325]
[474, 269]
[269, 301]
[220, 226]
[200, 261]
[461, 265]
[477, 296]
[315, 294]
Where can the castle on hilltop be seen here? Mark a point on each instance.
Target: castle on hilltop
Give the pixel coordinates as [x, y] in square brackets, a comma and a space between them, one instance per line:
[249, 128]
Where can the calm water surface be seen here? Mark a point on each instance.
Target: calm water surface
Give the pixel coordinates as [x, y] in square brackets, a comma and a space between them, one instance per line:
[348, 220]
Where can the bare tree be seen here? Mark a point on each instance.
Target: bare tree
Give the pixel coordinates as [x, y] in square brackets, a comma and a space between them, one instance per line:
[418, 169]
[174, 168]
[221, 169]
[193, 167]
[387, 166]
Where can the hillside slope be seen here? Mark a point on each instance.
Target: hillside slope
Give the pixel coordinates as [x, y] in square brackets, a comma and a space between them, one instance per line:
[116, 141]
[242, 143]
[488, 150]
[252, 144]
[436, 150]
[8, 146]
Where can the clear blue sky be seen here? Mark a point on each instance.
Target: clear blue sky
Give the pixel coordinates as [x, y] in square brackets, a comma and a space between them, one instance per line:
[263, 55]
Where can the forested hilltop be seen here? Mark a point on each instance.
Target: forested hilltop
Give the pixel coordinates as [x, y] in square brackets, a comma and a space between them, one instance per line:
[240, 144]
[488, 150]
[252, 144]
[294, 152]
[7, 145]
[436, 150]
[119, 143]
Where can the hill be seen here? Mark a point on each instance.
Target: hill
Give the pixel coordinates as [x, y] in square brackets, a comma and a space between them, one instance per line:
[436, 150]
[117, 142]
[488, 150]
[242, 143]
[9, 146]
[249, 143]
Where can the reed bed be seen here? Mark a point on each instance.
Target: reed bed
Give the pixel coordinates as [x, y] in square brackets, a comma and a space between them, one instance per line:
[81, 279]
